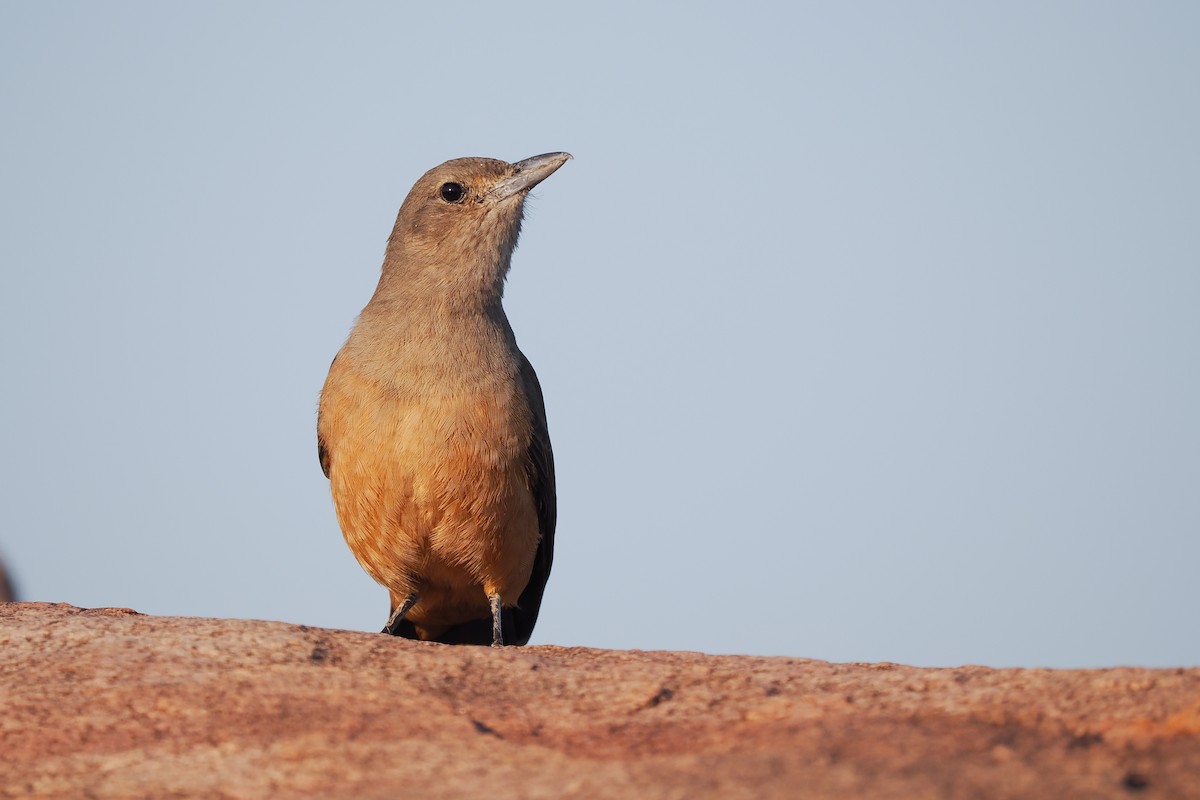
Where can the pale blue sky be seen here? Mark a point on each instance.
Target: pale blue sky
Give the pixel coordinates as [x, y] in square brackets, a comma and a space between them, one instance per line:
[867, 331]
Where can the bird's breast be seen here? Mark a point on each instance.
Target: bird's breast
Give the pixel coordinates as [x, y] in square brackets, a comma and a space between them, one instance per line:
[430, 481]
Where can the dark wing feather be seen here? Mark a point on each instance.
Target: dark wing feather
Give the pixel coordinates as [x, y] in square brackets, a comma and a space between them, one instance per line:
[540, 468]
[323, 455]
[322, 450]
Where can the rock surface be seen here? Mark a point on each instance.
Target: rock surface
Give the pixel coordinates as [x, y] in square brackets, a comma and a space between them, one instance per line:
[111, 703]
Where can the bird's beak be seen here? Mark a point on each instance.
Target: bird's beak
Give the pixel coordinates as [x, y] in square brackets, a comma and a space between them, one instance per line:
[528, 173]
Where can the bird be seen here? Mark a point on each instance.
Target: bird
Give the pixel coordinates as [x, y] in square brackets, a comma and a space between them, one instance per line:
[431, 425]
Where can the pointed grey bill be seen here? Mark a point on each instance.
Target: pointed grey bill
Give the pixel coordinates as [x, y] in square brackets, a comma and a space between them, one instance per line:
[528, 173]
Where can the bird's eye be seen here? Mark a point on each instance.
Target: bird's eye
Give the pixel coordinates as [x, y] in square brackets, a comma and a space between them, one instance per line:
[453, 192]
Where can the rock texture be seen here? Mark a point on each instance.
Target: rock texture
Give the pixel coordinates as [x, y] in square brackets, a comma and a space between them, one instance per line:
[111, 703]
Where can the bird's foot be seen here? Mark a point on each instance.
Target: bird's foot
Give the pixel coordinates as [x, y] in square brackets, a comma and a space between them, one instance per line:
[497, 628]
[398, 615]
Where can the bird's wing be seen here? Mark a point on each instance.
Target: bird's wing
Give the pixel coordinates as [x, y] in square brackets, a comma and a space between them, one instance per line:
[540, 470]
[322, 448]
[323, 454]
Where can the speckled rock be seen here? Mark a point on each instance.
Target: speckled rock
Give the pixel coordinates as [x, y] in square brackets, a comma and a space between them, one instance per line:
[111, 703]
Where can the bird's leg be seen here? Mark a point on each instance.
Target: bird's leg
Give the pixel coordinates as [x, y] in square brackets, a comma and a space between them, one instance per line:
[399, 613]
[497, 628]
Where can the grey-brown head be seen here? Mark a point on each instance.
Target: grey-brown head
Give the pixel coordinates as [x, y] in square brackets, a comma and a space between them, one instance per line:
[456, 231]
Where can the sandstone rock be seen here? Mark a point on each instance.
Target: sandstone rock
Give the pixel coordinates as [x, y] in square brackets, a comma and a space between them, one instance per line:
[111, 703]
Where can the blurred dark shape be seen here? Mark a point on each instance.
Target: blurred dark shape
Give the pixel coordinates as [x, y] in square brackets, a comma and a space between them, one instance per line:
[7, 593]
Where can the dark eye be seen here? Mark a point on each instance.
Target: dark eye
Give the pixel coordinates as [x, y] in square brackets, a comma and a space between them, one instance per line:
[453, 192]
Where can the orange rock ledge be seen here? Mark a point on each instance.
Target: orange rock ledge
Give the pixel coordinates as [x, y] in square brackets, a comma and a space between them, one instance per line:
[112, 703]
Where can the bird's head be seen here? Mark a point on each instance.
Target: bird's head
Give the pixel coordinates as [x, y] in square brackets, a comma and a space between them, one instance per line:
[456, 231]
